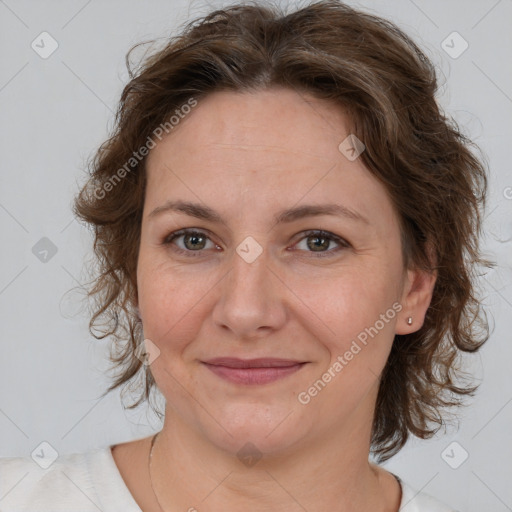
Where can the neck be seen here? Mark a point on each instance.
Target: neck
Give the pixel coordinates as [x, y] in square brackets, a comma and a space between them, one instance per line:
[329, 473]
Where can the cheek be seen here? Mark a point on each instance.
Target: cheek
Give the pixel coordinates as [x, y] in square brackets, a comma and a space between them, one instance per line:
[358, 350]
[349, 301]
[358, 310]
[170, 303]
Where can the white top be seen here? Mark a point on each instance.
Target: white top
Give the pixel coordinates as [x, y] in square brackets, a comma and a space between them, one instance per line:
[91, 482]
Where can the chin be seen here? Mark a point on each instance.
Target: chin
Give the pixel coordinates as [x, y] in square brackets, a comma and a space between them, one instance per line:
[262, 428]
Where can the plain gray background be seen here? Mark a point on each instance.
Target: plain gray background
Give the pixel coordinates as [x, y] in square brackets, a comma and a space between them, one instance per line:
[55, 113]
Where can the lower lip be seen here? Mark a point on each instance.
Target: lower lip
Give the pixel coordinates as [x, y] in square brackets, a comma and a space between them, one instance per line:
[253, 375]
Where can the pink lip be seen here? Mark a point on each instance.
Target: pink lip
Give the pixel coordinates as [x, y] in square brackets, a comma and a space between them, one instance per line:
[252, 371]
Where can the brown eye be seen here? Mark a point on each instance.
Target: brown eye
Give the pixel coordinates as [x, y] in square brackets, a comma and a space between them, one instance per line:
[194, 241]
[319, 242]
[190, 241]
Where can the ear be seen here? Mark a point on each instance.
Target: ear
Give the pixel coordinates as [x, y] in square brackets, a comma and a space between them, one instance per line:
[417, 292]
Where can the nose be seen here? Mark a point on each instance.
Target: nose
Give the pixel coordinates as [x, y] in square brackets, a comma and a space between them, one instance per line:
[251, 300]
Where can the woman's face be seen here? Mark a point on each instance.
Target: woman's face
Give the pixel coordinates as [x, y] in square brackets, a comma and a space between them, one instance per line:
[257, 280]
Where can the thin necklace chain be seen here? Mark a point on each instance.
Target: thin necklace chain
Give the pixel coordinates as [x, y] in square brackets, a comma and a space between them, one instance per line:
[158, 501]
[149, 470]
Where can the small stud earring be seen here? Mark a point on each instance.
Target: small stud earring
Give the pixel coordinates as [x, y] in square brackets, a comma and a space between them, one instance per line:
[409, 321]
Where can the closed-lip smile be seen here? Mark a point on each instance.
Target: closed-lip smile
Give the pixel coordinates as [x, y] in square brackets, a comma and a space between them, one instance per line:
[261, 362]
[253, 371]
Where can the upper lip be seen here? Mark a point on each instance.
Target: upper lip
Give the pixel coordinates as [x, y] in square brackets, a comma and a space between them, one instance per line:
[262, 362]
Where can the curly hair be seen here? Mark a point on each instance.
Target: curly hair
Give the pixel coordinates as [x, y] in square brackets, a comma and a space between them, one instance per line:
[437, 185]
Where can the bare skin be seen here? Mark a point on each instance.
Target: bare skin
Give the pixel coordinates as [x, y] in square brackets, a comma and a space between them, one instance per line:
[131, 459]
[248, 157]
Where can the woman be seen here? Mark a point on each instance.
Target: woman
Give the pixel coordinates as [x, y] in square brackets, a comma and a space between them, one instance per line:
[286, 226]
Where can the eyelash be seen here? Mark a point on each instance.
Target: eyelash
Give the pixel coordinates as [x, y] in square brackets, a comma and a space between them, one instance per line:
[318, 232]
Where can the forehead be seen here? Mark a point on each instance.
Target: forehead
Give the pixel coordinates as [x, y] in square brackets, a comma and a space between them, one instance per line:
[278, 119]
[274, 147]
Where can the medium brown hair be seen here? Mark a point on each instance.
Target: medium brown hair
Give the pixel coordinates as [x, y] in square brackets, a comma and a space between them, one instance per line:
[368, 66]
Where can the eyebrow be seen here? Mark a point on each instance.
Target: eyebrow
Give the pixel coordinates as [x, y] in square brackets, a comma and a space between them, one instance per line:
[203, 212]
